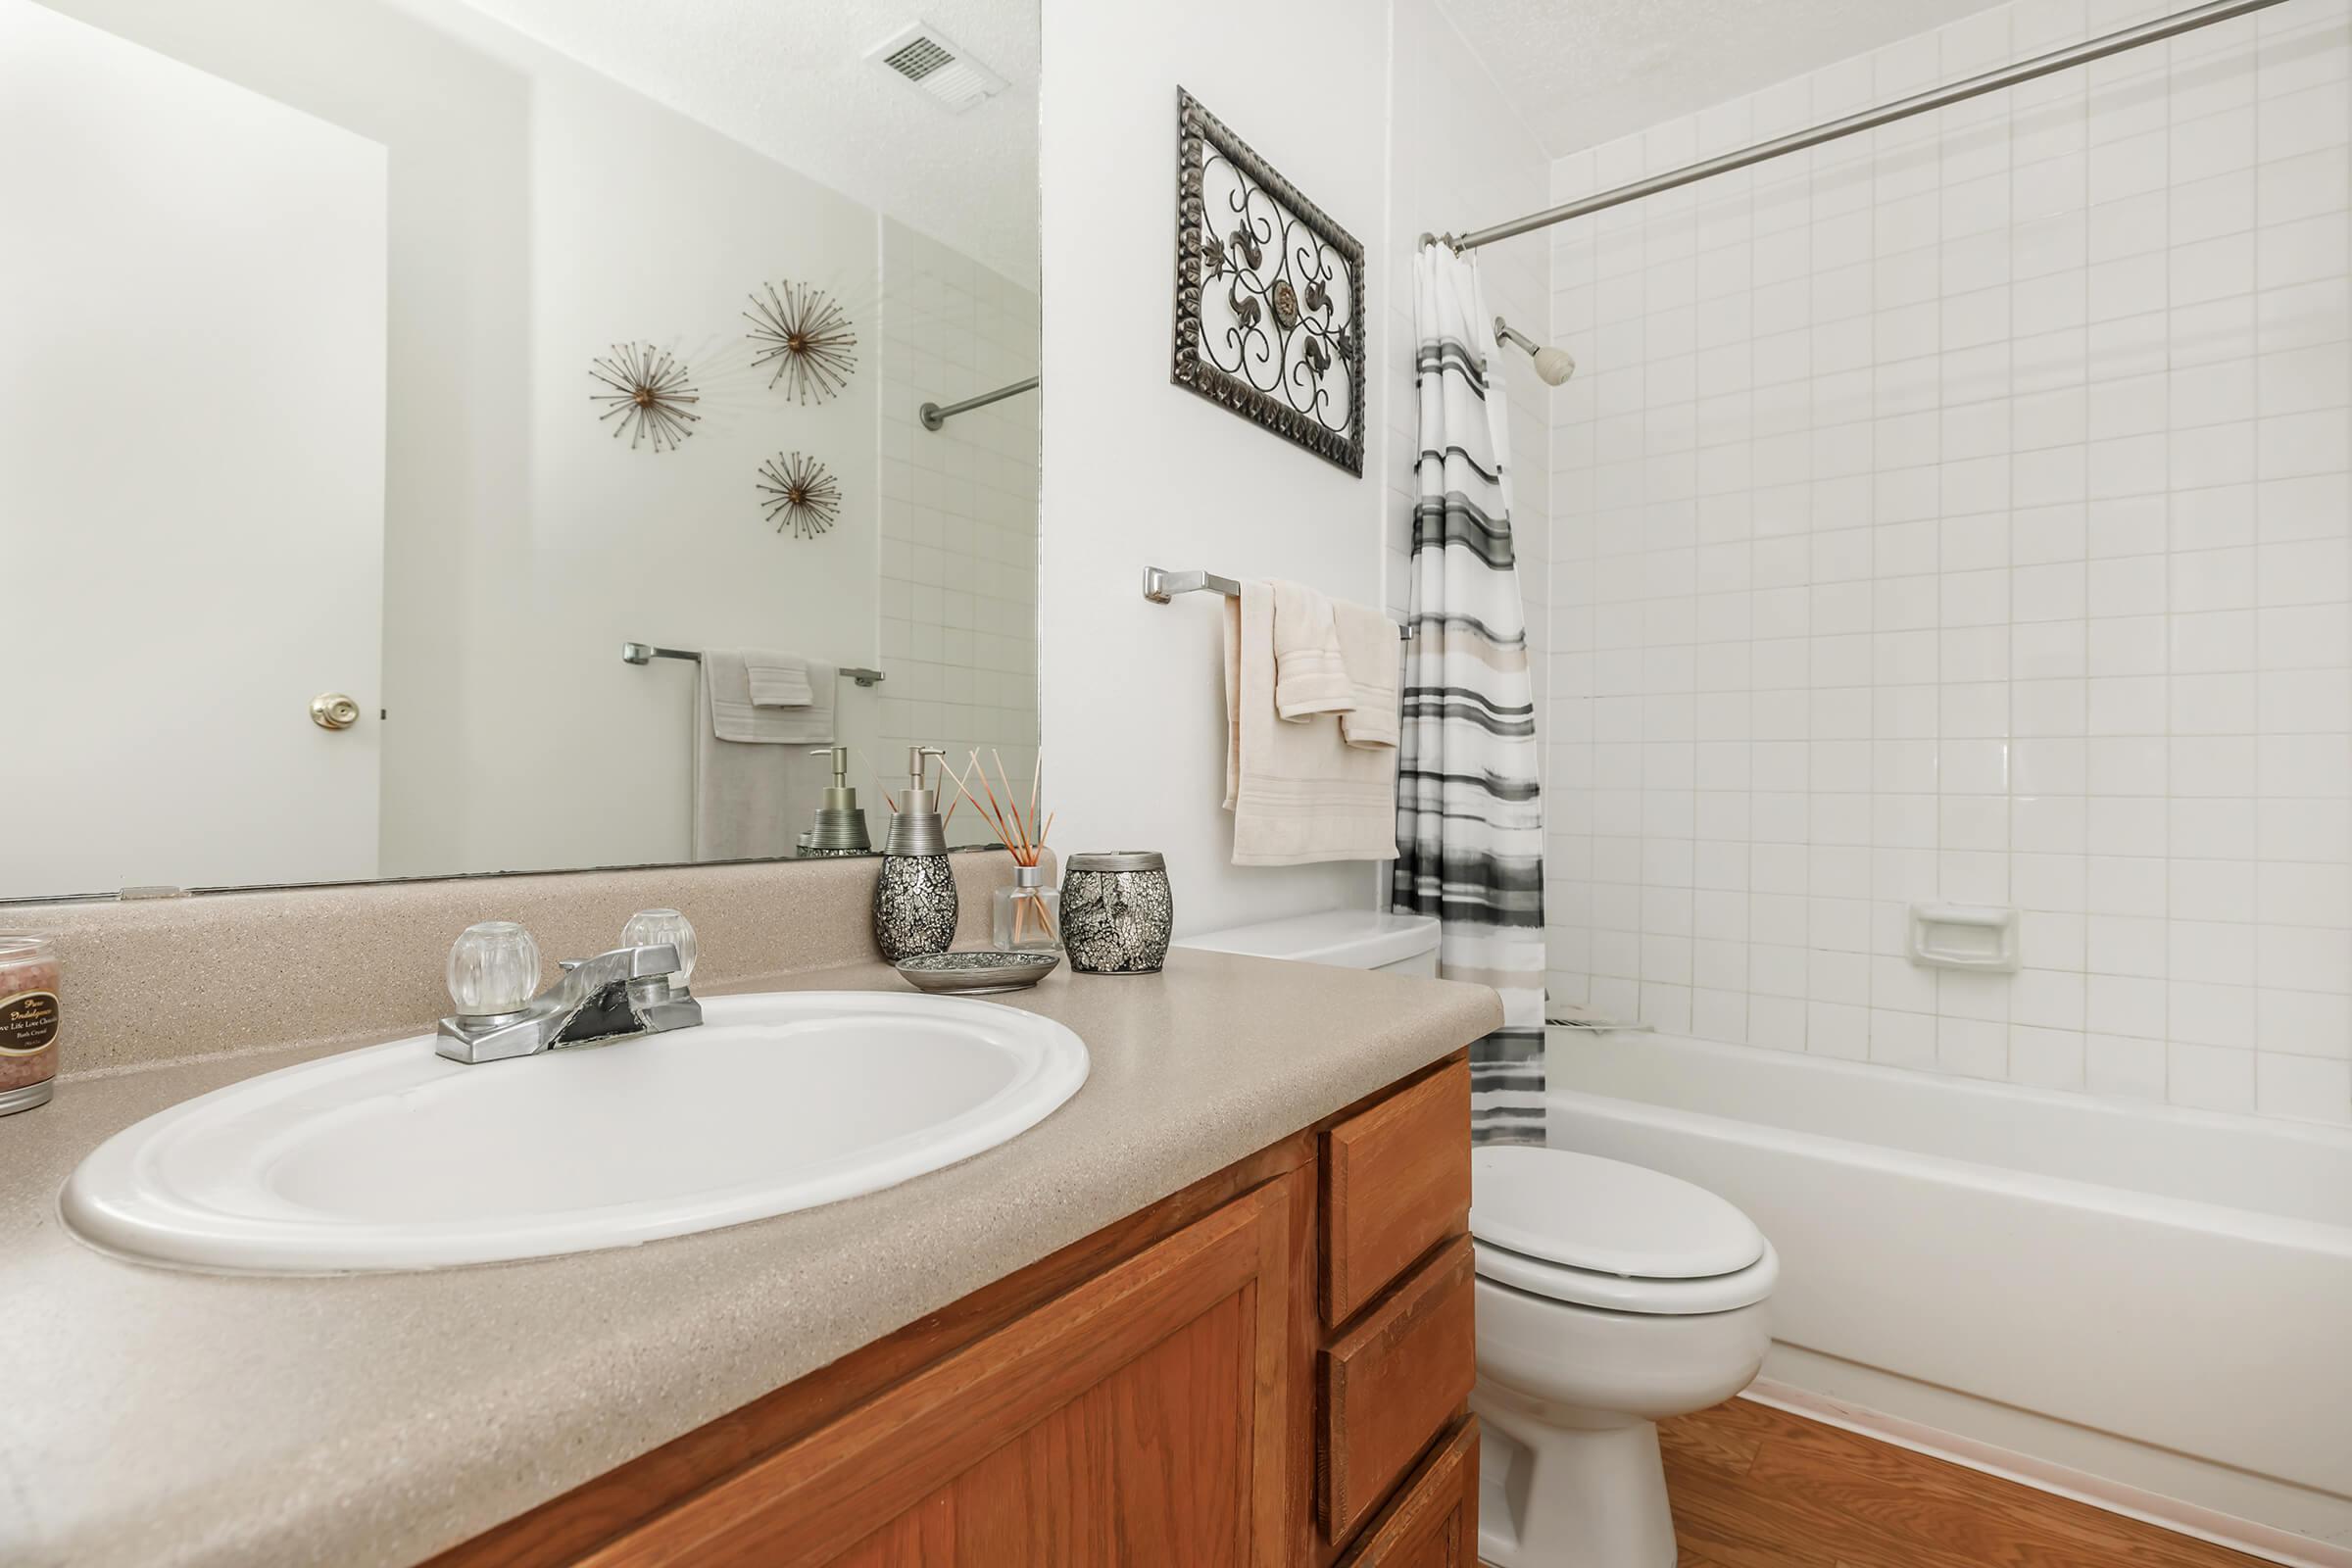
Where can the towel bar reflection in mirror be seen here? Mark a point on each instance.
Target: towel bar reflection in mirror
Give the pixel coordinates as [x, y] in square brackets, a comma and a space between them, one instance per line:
[647, 652]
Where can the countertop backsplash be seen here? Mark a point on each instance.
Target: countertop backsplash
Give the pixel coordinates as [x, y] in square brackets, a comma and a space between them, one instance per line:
[160, 980]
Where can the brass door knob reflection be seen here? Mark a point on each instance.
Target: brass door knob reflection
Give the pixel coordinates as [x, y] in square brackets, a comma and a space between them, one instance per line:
[333, 711]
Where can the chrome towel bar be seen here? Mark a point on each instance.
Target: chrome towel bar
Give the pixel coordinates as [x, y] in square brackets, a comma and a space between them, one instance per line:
[1161, 585]
[647, 652]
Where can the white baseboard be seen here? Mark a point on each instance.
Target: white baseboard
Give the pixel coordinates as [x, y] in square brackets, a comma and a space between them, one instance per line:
[2045, 1475]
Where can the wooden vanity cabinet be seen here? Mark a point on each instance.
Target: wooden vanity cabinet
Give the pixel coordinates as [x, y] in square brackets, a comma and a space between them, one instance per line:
[1168, 1393]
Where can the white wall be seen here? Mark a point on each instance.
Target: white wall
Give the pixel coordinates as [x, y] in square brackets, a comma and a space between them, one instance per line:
[1141, 472]
[1962, 511]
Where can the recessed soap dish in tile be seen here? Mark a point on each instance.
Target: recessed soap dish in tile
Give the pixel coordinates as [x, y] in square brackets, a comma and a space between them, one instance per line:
[1964, 936]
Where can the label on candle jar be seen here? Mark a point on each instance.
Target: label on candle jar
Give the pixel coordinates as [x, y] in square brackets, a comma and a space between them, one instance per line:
[28, 1022]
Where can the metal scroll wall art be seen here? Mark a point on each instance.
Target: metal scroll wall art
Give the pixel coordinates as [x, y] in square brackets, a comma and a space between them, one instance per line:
[1269, 294]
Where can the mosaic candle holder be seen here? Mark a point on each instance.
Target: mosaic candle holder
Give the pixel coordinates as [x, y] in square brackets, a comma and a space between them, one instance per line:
[1118, 913]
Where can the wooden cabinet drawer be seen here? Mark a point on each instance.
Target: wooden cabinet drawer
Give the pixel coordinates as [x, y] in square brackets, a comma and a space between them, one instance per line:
[1397, 1183]
[1433, 1523]
[1393, 1382]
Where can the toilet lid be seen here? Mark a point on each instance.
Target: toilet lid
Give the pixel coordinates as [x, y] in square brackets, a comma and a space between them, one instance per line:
[1604, 1216]
[1581, 1286]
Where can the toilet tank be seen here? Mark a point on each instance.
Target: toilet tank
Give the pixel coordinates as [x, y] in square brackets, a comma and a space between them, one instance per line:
[1351, 938]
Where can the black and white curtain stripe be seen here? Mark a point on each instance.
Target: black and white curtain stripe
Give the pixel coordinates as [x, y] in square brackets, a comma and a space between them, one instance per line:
[1469, 797]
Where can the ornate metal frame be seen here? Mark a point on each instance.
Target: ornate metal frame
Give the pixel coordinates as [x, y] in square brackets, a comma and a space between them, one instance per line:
[1274, 348]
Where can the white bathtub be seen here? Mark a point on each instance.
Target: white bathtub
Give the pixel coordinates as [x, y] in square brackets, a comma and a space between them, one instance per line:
[2148, 1307]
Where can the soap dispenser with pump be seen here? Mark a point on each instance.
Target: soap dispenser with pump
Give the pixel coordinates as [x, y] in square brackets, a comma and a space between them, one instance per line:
[914, 895]
[840, 826]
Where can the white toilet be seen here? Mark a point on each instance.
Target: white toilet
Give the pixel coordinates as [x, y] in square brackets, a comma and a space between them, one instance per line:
[1609, 1299]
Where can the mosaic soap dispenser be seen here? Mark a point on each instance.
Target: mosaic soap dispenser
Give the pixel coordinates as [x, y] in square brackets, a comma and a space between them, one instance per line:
[914, 895]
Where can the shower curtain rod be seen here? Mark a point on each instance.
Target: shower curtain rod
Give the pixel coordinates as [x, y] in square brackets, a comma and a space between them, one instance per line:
[2057, 59]
[934, 415]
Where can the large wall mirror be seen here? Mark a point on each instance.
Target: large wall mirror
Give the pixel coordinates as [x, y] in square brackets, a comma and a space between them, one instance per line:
[381, 370]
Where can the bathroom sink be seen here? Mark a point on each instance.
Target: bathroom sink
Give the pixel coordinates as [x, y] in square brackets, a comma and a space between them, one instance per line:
[394, 1157]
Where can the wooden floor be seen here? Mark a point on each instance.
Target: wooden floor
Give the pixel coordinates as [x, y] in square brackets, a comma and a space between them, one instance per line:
[1755, 1487]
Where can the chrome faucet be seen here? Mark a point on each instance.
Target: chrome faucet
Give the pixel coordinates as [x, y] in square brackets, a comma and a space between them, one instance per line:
[638, 989]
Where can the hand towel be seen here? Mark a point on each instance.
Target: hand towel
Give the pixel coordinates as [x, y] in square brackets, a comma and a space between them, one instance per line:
[756, 787]
[1309, 675]
[737, 714]
[777, 681]
[1297, 795]
[1368, 643]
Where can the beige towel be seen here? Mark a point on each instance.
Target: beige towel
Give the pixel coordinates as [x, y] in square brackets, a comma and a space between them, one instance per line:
[1309, 675]
[1296, 794]
[1368, 643]
[755, 794]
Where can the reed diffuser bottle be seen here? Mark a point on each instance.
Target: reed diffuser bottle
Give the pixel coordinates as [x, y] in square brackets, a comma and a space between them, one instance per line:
[1025, 917]
[1025, 912]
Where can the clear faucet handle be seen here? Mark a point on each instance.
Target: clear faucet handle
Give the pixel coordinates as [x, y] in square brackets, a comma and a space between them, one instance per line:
[648, 928]
[493, 968]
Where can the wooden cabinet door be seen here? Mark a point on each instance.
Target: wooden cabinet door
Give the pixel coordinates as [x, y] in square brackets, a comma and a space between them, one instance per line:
[1433, 1523]
[1146, 1418]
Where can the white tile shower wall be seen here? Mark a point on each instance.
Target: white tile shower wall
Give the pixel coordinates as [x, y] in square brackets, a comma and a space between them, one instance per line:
[1960, 511]
[959, 517]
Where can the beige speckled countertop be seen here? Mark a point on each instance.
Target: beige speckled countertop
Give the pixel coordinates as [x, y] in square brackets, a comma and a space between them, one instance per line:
[157, 1418]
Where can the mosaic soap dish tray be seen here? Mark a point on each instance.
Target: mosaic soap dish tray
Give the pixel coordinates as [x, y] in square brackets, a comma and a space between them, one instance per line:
[977, 974]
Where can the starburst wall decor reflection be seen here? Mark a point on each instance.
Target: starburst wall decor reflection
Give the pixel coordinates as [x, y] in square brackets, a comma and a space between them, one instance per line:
[800, 495]
[648, 397]
[805, 332]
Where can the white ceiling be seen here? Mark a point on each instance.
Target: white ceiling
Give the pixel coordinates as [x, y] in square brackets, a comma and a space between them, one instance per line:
[1584, 71]
[790, 78]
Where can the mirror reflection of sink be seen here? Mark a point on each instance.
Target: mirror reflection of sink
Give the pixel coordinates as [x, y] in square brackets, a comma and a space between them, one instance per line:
[392, 1157]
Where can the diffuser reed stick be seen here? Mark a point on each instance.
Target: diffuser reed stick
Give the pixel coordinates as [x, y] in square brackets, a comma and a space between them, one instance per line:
[1023, 837]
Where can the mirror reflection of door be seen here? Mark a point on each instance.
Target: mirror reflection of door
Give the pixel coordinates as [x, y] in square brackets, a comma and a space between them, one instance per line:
[192, 431]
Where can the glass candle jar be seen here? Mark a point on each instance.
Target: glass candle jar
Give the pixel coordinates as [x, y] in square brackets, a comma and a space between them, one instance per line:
[28, 985]
[1025, 919]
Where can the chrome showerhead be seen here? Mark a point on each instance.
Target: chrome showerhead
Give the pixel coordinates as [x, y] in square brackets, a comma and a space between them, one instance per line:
[1554, 365]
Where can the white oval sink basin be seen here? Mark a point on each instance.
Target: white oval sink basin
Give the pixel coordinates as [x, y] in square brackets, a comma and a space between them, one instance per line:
[393, 1157]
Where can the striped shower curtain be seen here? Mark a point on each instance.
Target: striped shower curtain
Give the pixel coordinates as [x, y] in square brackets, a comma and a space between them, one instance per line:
[1469, 808]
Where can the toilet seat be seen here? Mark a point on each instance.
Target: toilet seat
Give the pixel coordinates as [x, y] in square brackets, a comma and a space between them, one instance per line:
[1600, 1233]
[1617, 1293]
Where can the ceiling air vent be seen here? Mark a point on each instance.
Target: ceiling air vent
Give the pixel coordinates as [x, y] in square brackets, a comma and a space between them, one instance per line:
[937, 63]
